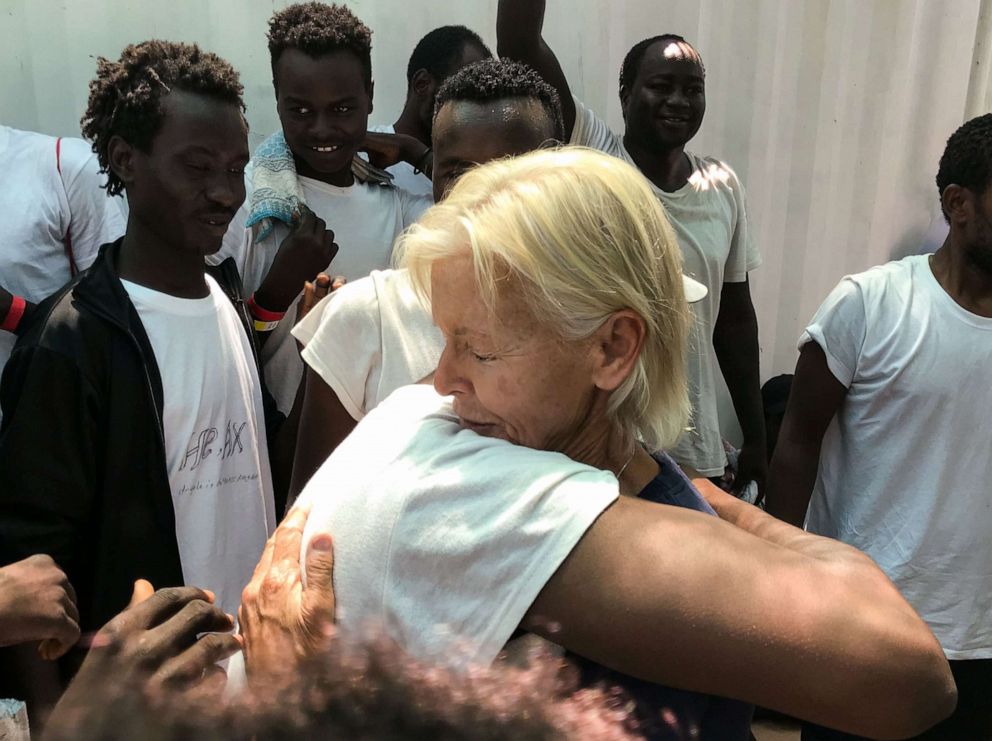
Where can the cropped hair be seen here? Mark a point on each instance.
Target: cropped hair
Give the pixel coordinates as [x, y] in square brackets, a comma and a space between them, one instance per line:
[497, 79]
[967, 159]
[440, 50]
[126, 96]
[317, 29]
[584, 236]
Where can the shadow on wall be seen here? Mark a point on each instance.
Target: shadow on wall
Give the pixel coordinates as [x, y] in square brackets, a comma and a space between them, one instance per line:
[917, 242]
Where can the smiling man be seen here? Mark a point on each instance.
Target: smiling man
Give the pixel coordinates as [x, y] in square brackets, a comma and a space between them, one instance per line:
[322, 75]
[663, 97]
[133, 441]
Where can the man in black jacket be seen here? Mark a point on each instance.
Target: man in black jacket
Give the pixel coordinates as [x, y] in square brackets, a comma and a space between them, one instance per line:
[134, 442]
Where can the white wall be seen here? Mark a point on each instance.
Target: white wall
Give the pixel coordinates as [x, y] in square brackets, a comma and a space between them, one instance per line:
[834, 112]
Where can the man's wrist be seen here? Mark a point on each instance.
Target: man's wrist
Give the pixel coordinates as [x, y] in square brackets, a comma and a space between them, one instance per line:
[275, 299]
[10, 317]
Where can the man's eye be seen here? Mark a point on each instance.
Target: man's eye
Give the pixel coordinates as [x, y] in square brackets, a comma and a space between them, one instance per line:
[343, 109]
[301, 110]
[483, 358]
[197, 166]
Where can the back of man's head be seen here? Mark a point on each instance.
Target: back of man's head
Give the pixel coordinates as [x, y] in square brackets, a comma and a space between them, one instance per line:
[440, 51]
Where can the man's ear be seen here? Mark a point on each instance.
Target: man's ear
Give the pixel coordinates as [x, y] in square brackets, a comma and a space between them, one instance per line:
[422, 83]
[618, 345]
[371, 93]
[121, 159]
[624, 99]
[958, 203]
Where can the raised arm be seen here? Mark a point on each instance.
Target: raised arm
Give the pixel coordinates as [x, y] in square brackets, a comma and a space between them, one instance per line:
[813, 401]
[813, 629]
[518, 37]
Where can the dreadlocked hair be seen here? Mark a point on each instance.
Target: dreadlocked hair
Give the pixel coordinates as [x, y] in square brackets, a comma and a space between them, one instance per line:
[317, 29]
[126, 96]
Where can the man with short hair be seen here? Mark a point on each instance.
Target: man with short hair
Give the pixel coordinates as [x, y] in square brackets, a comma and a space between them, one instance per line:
[373, 335]
[886, 437]
[662, 92]
[308, 177]
[134, 442]
[437, 56]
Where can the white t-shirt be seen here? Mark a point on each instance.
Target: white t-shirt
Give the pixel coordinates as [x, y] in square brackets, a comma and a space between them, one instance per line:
[403, 172]
[365, 219]
[444, 538]
[905, 469]
[709, 217]
[40, 206]
[369, 338]
[215, 442]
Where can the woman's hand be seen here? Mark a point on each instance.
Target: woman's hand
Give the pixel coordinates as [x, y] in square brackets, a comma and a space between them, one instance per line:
[282, 622]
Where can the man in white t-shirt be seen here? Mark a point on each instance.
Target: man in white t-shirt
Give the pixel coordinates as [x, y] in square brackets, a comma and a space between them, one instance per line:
[662, 92]
[887, 426]
[374, 335]
[55, 217]
[438, 55]
[322, 74]
[134, 442]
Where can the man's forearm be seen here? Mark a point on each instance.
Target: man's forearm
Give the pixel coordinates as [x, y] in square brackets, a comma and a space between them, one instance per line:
[735, 341]
[791, 478]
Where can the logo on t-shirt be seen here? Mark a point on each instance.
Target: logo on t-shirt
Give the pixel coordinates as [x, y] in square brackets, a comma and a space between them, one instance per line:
[201, 445]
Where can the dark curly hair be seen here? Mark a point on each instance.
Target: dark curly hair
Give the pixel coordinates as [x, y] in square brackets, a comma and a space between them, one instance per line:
[317, 29]
[495, 79]
[126, 96]
[967, 159]
[439, 51]
[632, 62]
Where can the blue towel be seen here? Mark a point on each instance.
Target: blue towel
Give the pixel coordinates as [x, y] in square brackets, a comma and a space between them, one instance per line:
[276, 194]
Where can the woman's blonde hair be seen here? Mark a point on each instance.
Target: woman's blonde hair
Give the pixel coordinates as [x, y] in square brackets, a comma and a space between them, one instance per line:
[584, 236]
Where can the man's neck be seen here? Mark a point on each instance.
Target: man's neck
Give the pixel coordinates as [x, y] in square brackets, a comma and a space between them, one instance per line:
[967, 283]
[147, 260]
[668, 169]
[411, 124]
[342, 178]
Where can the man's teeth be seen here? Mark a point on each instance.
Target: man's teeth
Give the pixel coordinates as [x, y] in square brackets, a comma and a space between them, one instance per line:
[332, 148]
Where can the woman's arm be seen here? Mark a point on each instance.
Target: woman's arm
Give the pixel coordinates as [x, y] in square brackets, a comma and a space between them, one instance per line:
[786, 620]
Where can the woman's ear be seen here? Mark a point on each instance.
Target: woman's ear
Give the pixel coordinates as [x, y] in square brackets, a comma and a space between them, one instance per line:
[618, 345]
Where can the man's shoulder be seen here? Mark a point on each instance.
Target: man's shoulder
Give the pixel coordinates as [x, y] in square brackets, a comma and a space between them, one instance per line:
[714, 174]
[881, 280]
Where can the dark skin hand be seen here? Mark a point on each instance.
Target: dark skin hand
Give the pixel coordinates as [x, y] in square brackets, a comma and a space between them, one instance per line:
[735, 340]
[153, 643]
[385, 150]
[37, 603]
[305, 252]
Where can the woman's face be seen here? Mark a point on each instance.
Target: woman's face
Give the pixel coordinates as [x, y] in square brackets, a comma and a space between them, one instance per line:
[510, 376]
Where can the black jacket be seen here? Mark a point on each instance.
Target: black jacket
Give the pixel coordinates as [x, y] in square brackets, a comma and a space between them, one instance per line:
[83, 473]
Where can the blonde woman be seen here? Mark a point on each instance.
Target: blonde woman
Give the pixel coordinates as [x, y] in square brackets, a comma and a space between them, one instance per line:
[522, 494]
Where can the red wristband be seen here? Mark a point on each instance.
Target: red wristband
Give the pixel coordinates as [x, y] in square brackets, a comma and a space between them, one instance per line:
[14, 314]
[263, 314]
